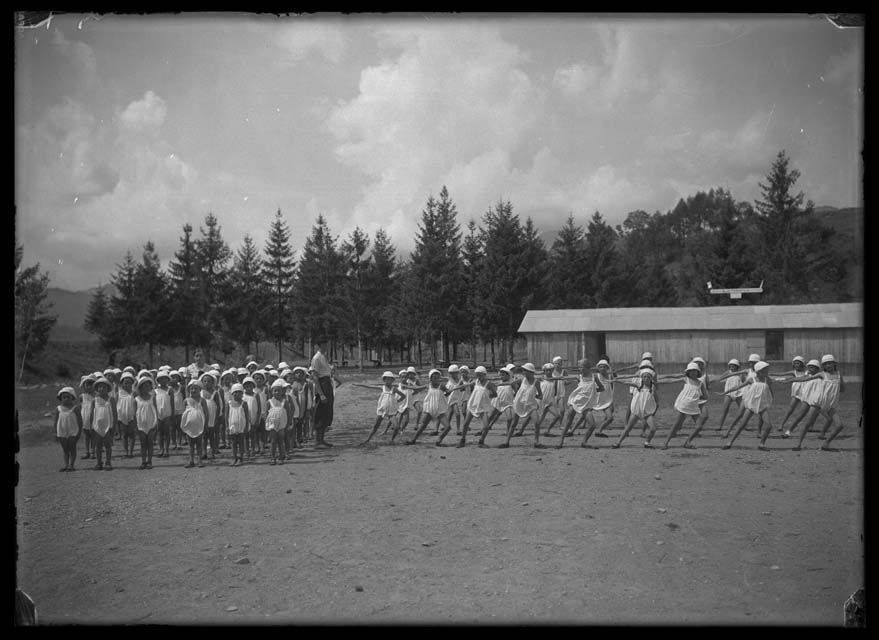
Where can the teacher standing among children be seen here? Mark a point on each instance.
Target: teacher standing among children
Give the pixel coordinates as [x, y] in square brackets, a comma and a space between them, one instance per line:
[323, 389]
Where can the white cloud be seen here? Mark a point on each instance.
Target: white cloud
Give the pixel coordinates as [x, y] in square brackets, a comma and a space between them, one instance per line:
[145, 115]
[304, 36]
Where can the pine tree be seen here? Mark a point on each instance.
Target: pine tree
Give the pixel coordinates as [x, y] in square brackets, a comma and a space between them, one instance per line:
[151, 301]
[212, 254]
[187, 328]
[602, 263]
[124, 306]
[97, 319]
[278, 274]
[472, 257]
[568, 276]
[245, 295]
[382, 284]
[784, 234]
[356, 292]
[32, 319]
[436, 265]
[319, 284]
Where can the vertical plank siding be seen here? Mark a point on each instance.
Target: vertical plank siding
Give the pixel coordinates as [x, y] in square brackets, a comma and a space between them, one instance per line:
[672, 350]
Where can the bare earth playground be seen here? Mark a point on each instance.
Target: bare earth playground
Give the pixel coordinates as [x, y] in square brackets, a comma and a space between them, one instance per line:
[422, 534]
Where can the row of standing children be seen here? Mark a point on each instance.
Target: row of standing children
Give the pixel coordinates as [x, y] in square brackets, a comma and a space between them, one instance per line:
[205, 410]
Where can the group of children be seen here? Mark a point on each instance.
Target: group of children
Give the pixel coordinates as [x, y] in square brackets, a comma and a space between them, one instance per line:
[253, 410]
[249, 410]
[520, 396]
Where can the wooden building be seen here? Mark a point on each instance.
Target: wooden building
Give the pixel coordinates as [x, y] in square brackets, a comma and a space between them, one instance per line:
[674, 335]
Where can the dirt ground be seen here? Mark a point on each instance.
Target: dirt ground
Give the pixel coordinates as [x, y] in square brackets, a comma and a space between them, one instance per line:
[424, 535]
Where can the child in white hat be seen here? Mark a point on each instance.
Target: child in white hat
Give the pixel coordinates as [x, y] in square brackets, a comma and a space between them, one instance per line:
[796, 389]
[147, 420]
[455, 398]
[581, 402]
[278, 420]
[227, 379]
[643, 405]
[103, 422]
[812, 386]
[193, 420]
[68, 426]
[604, 398]
[386, 408]
[408, 384]
[294, 395]
[479, 402]
[731, 397]
[502, 403]
[238, 422]
[526, 405]
[828, 404]
[164, 397]
[687, 403]
[436, 406]
[214, 400]
[254, 411]
[258, 437]
[744, 374]
[548, 401]
[177, 391]
[756, 402]
[125, 413]
[86, 405]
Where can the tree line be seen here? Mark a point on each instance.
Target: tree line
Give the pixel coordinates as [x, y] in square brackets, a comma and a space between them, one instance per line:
[464, 287]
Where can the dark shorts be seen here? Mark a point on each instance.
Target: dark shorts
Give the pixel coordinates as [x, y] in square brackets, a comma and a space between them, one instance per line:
[323, 411]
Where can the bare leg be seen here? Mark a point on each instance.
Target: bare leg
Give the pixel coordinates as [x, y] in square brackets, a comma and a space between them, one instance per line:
[608, 418]
[794, 403]
[566, 425]
[744, 423]
[378, 422]
[739, 417]
[837, 427]
[589, 417]
[467, 420]
[511, 426]
[425, 420]
[633, 420]
[810, 420]
[703, 418]
[802, 414]
[766, 424]
[674, 429]
[727, 402]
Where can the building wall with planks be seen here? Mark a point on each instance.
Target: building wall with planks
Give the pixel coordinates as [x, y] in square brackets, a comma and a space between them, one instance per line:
[672, 350]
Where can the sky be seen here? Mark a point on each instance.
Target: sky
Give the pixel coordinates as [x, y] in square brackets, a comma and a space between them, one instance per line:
[127, 127]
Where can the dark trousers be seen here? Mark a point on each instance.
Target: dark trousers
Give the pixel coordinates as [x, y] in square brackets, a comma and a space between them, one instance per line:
[323, 411]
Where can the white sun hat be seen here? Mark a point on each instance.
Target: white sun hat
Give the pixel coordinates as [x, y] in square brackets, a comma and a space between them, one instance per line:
[66, 390]
[246, 380]
[799, 359]
[603, 363]
[827, 358]
[761, 365]
[645, 364]
[529, 367]
[754, 357]
[735, 362]
[647, 356]
[388, 374]
[699, 359]
[411, 370]
[454, 369]
[279, 383]
[693, 367]
[557, 360]
[433, 371]
[237, 387]
[813, 363]
[480, 369]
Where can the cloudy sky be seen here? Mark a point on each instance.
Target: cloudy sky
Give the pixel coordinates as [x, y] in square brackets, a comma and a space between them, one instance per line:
[127, 127]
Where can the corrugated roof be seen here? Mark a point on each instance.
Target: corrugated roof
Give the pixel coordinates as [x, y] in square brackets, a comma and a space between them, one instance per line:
[808, 316]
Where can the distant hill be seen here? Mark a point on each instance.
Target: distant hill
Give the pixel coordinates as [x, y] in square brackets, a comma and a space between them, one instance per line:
[71, 308]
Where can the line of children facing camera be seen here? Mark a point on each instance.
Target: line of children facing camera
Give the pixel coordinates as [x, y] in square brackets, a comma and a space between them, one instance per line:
[520, 396]
[248, 409]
